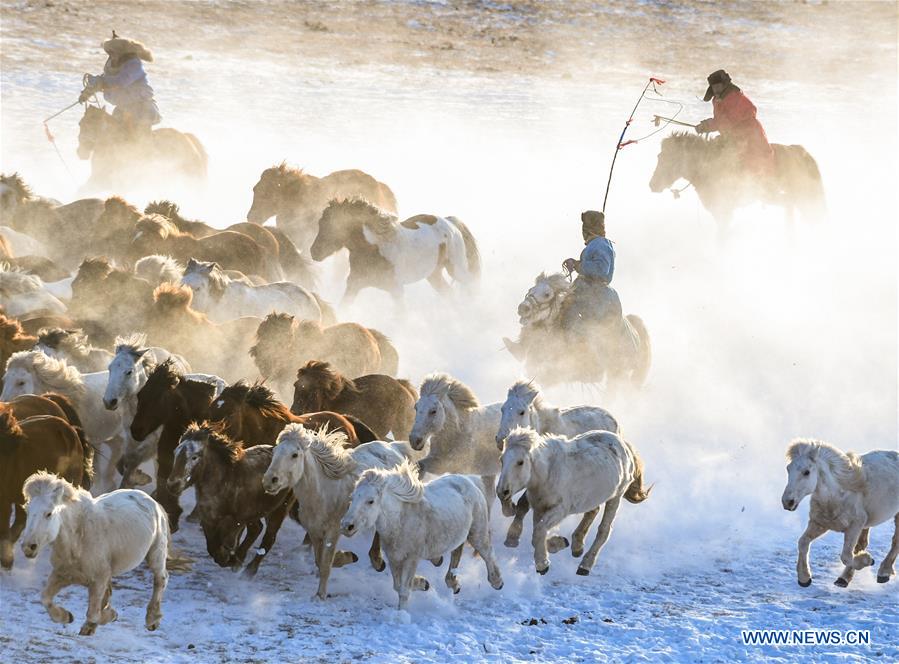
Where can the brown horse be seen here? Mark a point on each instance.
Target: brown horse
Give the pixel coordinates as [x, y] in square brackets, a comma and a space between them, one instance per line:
[252, 414]
[297, 199]
[169, 401]
[36, 443]
[154, 234]
[383, 403]
[712, 167]
[118, 159]
[13, 339]
[230, 499]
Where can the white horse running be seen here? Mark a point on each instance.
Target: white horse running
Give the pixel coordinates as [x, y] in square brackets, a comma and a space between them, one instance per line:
[158, 269]
[224, 299]
[461, 432]
[525, 407]
[422, 246]
[33, 372]
[421, 521]
[94, 539]
[323, 474]
[570, 476]
[850, 494]
[73, 347]
[22, 294]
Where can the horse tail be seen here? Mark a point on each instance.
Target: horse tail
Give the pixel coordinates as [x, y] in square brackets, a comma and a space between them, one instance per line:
[635, 492]
[363, 432]
[802, 180]
[329, 316]
[201, 166]
[297, 268]
[388, 200]
[471, 247]
[644, 350]
[87, 450]
[409, 387]
[390, 358]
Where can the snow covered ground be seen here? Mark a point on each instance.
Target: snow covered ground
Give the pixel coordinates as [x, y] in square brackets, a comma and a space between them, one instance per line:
[769, 336]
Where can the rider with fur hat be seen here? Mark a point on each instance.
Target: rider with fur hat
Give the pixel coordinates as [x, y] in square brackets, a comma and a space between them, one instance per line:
[124, 84]
[734, 117]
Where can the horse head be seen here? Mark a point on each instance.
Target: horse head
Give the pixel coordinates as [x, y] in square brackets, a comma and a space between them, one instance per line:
[542, 299]
[333, 230]
[277, 185]
[94, 125]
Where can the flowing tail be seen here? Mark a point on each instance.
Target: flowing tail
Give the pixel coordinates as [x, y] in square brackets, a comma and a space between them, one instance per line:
[644, 350]
[87, 450]
[635, 492]
[363, 432]
[471, 248]
[390, 358]
[410, 388]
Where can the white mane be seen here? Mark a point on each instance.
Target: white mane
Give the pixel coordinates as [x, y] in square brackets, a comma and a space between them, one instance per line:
[443, 385]
[326, 448]
[55, 374]
[527, 391]
[845, 467]
[401, 482]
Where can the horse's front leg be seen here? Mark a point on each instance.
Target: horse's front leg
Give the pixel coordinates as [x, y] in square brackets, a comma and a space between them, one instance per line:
[6, 542]
[406, 579]
[253, 529]
[602, 536]
[55, 583]
[374, 554]
[96, 594]
[513, 535]
[327, 551]
[847, 573]
[812, 532]
[885, 571]
[273, 522]
[543, 522]
[848, 555]
[164, 497]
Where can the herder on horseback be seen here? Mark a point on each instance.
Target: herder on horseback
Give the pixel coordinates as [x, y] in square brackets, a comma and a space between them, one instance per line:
[124, 85]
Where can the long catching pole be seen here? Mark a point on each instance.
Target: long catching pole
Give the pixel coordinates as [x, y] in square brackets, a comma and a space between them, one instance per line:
[62, 111]
[620, 144]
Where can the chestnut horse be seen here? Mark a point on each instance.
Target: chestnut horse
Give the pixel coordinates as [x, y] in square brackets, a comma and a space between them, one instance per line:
[170, 401]
[13, 339]
[36, 443]
[383, 403]
[253, 415]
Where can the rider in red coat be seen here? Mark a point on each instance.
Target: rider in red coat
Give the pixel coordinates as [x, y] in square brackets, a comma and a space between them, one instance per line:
[734, 118]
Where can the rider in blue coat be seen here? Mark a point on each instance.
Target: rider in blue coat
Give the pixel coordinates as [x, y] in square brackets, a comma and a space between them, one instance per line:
[592, 300]
[124, 85]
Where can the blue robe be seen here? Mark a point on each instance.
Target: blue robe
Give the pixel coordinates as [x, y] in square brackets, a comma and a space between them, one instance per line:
[591, 298]
[129, 91]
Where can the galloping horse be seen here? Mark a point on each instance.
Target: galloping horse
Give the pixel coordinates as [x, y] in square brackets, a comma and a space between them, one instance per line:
[117, 158]
[723, 186]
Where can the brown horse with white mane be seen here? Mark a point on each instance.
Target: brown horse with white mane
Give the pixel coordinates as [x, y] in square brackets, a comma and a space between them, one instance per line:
[723, 185]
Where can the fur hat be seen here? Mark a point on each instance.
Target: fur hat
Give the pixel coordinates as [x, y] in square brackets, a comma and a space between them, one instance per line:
[719, 76]
[593, 222]
[119, 46]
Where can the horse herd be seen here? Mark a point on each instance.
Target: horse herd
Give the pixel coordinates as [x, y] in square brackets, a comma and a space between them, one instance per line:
[140, 339]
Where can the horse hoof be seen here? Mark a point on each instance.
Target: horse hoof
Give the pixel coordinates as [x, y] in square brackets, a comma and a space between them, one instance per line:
[806, 584]
[543, 571]
[153, 626]
[511, 543]
[577, 553]
[379, 566]
[883, 579]
[87, 629]
[583, 572]
[353, 557]
[427, 586]
[456, 591]
[499, 587]
[437, 562]
[841, 582]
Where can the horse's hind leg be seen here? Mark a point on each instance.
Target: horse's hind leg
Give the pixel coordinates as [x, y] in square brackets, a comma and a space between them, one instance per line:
[253, 529]
[438, 283]
[107, 613]
[479, 538]
[602, 536]
[156, 562]
[273, 523]
[6, 542]
[580, 533]
[455, 558]
[513, 535]
[374, 554]
[886, 567]
[847, 574]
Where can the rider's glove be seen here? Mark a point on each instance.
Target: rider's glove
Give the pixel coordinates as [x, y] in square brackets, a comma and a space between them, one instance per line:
[569, 264]
[85, 95]
[93, 81]
[703, 127]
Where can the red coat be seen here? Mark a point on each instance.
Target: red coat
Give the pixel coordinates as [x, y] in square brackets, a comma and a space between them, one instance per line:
[735, 120]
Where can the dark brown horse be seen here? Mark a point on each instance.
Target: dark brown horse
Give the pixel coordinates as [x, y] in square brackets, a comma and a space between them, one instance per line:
[252, 414]
[230, 499]
[113, 298]
[154, 234]
[297, 199]
[385, 404]
[713, 167]
[169, 401]
[36, 443]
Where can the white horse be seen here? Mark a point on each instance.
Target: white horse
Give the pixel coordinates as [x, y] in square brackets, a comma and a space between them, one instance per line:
[323, 473]
[158, 269]
[850, 494]
[33, 372]
[23, 244]
[461, 432]
[22, 294]
[570, 476]
[94, 539]
[224, 299]
[73, 347]
[422, 247]
[525, 407]
[421, 521]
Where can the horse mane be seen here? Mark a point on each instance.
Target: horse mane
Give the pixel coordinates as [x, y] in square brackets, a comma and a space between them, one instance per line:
[73, 341]
[17, 183]
[259, 397]
[378, 221]
[225, 449]
[443, 385]
[524, 438]
[165, 208]
[11, 329]
[11, 435]
[159, 269]
[218, 280]
[402, 482]
[42, 483]
[527, 390]
[331, 381]
[328, 448]
[846, 467]
[164, 373]
[119, 202]
[55, 373]
[158, 225]
[169, 298]
[133, 344]
[557, 281]
[94, 269]
[275, 322]
[24, 281]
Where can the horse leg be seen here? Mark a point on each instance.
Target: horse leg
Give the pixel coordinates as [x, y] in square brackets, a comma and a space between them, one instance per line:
[420, 583]
[513, 535]
[543, 521]
[6, 542]
[438, 283]
[886, 567]
[489, 485]
[164, 497]
[580, 533]
[55, 583]
[407, 576]
[374, 553]
[848, 556]
[156, 558]
[328, 547]
[812, 532]
[479, 538]
[273, 522]
[254, 527]
[846, 576]
[107, 613]
[18, 525]
[96, 594]
[602, 536]
[455, 558]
